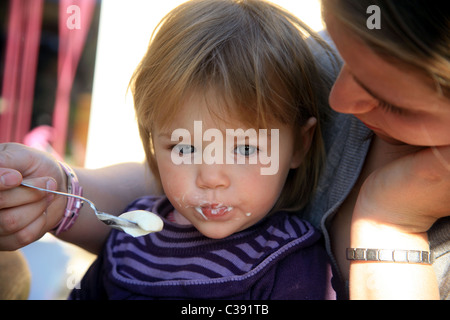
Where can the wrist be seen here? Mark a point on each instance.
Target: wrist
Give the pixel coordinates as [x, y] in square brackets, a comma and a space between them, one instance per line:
[393, 219]
[64, 179]
[399, 212]
[383, 235]
[73, 205]
[397, 266]
[57, 205]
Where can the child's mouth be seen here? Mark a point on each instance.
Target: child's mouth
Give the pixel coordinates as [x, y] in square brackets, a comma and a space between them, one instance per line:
[213, 211]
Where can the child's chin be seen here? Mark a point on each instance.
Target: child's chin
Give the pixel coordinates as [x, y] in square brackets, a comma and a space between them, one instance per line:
[216, 233]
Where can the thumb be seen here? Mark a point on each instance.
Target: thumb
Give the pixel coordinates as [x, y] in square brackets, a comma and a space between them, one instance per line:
[17, 156]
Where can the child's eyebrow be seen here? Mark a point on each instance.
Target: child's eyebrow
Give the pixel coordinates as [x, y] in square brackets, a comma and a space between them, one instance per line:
[168, 134]
[236, 132]
[164, 135]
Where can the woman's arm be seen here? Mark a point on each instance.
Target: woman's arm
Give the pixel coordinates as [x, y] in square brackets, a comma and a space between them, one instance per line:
[111, 189]
[390, 280]
[396, 206]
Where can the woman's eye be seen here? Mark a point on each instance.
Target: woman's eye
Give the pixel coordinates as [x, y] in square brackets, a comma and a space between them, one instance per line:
[182, 149]
[245, 150]
[390, 108]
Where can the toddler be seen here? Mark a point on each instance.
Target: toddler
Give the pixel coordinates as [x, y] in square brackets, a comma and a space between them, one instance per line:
[227, 89]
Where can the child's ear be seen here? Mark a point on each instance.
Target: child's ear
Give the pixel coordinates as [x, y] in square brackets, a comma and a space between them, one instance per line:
[307, 134]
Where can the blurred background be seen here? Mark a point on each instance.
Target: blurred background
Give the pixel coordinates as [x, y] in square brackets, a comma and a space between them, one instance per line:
[65, 66]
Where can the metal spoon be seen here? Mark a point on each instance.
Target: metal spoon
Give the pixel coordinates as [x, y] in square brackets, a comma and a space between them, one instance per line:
[108, 219]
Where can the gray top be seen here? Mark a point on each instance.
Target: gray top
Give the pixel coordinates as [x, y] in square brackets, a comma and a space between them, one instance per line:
[347, 143]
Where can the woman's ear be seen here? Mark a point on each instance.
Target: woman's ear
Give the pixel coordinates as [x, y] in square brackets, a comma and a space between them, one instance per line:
[306, 136]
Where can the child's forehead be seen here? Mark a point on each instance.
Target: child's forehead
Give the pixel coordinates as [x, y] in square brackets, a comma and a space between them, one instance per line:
[197, 121]
[212, 109]
[198, 127]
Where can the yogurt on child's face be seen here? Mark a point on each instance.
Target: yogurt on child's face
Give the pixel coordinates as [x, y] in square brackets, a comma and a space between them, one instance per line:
[213, 211]
[146, 221]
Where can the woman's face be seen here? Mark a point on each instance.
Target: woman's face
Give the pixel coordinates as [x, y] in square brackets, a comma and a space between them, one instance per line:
[400, 104]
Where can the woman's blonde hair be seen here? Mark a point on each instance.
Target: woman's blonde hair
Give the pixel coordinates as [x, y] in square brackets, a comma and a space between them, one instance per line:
[254, 56]
[414, 32]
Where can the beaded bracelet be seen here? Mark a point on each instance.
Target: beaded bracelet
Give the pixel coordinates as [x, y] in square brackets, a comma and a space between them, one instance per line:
[73, 204]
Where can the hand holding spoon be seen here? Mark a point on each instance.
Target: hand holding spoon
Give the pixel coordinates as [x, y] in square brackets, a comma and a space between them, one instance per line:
[136, 223]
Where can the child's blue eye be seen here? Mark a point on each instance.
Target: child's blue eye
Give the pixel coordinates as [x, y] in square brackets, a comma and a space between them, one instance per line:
[245, 150]
[184, 149]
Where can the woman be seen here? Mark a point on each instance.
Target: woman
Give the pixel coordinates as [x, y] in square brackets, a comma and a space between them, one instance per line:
[382, 191]
[396, 81]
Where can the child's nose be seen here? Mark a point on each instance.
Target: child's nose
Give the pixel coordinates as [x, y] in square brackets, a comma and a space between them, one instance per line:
[212, 176]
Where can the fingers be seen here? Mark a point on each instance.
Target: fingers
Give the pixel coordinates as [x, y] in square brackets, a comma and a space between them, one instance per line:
[22, 218]
[18, 217]
[22, 213]
[28, 234]
[14, 197]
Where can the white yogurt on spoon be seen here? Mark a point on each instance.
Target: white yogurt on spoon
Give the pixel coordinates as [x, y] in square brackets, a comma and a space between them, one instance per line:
[146, 221]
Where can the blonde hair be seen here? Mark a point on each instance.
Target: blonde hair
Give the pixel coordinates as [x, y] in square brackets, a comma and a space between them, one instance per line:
[415, 33]
[253, 54]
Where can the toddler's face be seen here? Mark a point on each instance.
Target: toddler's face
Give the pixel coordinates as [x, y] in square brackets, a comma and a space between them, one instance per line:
[204, 178]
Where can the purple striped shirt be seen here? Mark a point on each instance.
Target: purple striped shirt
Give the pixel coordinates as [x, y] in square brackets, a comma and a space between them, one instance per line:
[280, 257]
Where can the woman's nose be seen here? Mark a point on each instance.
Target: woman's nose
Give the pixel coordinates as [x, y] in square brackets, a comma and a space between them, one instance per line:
[347, 96]
[212, 176]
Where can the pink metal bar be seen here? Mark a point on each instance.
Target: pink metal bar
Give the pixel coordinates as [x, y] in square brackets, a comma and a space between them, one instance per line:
[70, 48]
[11, 73]
[32, 12]
[22, 49]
